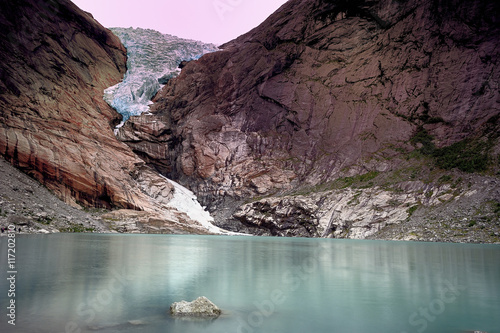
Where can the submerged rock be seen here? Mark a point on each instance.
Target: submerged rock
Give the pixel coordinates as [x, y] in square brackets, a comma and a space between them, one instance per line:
[201, 307]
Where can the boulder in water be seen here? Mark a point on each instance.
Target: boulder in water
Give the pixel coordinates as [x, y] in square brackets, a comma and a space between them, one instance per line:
[201, 307]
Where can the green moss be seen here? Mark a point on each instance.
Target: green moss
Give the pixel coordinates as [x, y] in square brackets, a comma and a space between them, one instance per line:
[412, 210]
[94, 210]
[74, 228]
[423, 138]
[361, 181]
[466, 155]
[469, 155]
[358, 181]
[355, 199]
[45, 219]
[445, 179]
[457, 182]
[496, 209]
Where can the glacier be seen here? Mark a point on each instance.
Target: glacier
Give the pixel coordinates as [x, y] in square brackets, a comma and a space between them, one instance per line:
[153, 58]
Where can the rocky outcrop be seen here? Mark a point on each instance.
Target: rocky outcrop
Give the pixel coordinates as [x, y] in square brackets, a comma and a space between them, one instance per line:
[32, 208]
[55, 126]
[456, 208]
[323, 87]
[168, 221]
[286, 216]
[200, 307]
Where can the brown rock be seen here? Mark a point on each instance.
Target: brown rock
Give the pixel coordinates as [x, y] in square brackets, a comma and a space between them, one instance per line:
[321, 86]
[287, 216]
[168, 221]
[55, 125]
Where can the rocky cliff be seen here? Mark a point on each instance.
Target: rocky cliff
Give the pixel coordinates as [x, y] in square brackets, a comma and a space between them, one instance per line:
[326, 93]
[55, 126]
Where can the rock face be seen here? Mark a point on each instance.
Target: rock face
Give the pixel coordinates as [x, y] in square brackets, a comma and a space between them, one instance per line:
[362, 211]
[322, 87]
[325, 89]
[55, 126]
[201, 307]
[168, 221]
[263, 131]
[33, 209]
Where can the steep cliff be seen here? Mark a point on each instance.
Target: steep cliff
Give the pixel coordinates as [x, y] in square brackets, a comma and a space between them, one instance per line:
[326, 90]
[55, 126]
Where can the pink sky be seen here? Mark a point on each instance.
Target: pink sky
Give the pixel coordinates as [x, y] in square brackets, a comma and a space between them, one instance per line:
[213, 21]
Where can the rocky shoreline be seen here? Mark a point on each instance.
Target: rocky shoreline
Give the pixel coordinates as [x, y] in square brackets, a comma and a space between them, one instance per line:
[35, 210]
[32, 208]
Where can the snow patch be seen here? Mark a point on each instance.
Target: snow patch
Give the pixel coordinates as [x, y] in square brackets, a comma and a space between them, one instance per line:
[185, 201]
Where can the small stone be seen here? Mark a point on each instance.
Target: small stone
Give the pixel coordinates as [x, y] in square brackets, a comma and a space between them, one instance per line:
[201, 307]
[41, 215]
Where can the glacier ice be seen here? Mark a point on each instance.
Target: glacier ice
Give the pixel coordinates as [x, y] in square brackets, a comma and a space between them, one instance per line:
[153, 59]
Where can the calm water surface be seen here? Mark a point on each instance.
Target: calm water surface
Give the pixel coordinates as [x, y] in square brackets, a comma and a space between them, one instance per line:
[126, 283]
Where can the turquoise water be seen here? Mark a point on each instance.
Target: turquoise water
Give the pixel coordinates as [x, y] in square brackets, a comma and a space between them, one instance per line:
[126, 283]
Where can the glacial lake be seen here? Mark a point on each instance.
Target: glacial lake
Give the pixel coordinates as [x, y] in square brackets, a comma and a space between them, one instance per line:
[126, 283]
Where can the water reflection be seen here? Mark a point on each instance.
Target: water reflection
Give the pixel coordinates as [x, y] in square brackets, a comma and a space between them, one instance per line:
[126, 283]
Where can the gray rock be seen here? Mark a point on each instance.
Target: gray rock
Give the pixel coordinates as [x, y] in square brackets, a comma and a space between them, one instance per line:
[201, 307]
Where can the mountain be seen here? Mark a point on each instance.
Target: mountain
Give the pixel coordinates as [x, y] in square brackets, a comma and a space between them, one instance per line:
[333, 118]
[339, 118]
[56, 127]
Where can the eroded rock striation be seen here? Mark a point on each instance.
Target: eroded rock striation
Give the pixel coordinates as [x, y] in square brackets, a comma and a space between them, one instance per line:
[325, 89]
[321, 86]
[55, 125]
